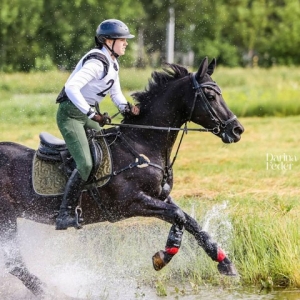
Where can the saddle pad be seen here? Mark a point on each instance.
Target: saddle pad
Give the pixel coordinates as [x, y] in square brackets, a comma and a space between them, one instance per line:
[48, 179]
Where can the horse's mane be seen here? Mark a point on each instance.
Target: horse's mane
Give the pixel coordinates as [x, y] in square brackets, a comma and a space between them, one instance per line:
[158, 82]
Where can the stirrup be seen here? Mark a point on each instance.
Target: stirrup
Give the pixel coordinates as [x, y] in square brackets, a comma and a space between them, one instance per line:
[78, 215]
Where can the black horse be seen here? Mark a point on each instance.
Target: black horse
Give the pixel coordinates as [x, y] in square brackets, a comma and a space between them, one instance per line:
[173, 97]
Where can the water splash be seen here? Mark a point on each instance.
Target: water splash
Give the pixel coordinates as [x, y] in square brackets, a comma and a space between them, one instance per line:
[217, 223]
[106, 261]
[114, 261]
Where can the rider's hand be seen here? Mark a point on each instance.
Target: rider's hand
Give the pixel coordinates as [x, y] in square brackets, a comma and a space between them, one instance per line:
[102, 119]
[107, 118]
[135, 110]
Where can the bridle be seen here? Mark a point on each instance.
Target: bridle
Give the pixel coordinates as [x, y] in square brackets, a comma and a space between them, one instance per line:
[199, 92]
[206, 105]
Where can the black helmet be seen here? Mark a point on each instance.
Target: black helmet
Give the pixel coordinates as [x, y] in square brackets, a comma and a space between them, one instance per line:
[112, 29]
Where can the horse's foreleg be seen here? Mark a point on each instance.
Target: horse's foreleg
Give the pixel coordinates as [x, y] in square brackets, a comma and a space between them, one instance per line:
[163, 257]
[213, 250]
[216, 253]
[167, 211]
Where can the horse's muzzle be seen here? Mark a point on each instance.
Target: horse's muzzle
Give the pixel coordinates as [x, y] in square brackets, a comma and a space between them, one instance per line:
[233, 135]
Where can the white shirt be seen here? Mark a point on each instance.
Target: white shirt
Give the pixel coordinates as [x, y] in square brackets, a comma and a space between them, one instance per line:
[86, 84]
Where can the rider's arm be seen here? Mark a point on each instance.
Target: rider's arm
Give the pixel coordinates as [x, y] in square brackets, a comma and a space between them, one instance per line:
[120, 101]
[117, 96]
[91, 69]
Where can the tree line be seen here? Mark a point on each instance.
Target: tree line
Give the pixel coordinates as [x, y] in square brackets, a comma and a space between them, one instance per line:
[41, 34]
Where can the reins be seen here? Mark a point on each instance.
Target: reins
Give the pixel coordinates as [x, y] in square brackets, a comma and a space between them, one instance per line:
[206, 105]
[199, 92]
[185, 129]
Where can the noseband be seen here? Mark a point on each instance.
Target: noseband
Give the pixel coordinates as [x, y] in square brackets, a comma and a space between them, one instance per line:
[206, 105]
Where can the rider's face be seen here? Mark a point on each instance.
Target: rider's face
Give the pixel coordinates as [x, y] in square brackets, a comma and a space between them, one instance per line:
[119, 46]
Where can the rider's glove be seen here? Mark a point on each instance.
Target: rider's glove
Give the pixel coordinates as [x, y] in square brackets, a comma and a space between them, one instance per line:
[102, 119]
[132, 110]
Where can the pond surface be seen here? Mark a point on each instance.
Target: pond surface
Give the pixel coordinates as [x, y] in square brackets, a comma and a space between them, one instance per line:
[111, 261]
[12, 289]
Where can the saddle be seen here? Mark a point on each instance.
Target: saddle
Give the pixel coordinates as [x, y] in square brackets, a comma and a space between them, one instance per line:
[53, 163]
[53, 149]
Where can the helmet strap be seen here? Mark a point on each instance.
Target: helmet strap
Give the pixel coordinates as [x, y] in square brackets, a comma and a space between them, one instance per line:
[112, 49]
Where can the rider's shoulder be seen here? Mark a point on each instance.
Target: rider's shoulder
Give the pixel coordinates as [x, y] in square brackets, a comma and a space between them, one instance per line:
[95, 57]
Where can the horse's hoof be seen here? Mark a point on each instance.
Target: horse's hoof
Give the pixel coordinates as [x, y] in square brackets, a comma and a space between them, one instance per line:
[160, 259]
[227, 269]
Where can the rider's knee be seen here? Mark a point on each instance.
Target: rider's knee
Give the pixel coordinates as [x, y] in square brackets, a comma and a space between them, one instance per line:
[85, 171]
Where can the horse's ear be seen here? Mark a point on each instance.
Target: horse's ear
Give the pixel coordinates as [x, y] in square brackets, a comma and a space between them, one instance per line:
[211, 67]
[202, 69]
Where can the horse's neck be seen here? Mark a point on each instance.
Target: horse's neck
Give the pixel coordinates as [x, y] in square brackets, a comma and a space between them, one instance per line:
[160, 113]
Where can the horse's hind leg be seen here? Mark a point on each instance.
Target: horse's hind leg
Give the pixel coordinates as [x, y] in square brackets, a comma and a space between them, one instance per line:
[15, 266]
[12, 255]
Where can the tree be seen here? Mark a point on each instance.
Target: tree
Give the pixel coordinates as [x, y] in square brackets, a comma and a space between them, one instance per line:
[19, 24]
[37, 30]
[249, 26]
[282, 46]
[40, 34]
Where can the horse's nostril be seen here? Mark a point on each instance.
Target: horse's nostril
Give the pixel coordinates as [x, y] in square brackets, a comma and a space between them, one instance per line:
[238, 130]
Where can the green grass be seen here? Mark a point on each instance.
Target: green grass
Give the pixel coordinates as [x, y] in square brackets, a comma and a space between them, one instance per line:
[267, 243]
[261, 92]
[248, 92]
[263, 204]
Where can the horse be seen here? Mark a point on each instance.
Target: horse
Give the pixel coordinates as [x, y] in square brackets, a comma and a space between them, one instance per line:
[173, 98]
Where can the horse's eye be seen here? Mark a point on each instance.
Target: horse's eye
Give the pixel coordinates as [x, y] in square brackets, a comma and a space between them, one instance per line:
[210, 97]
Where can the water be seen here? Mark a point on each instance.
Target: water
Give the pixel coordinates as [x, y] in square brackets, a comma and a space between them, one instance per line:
[113, 261]
[216, 222]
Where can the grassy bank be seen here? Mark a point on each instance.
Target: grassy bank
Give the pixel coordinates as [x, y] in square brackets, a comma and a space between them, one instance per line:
[258, 177]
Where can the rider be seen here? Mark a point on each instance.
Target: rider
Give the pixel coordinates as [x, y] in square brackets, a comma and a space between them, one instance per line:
[96, 74]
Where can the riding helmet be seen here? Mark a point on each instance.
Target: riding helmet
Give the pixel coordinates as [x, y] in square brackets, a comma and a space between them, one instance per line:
[112, 29]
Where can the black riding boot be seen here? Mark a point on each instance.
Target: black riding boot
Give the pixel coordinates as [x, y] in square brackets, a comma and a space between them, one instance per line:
[72, 193]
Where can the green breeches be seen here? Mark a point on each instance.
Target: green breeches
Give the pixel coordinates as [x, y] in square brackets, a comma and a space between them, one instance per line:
[72, 124]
